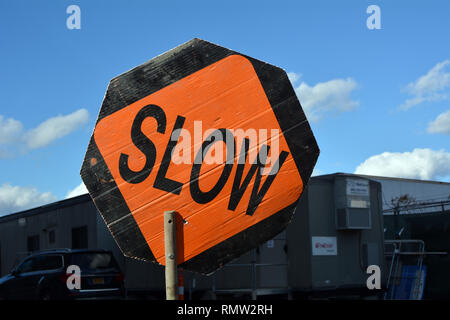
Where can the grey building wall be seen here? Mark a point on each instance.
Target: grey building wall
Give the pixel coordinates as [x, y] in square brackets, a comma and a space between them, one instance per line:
[260, 271]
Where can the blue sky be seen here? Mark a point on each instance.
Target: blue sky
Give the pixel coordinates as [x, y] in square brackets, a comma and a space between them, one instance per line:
[378, 100]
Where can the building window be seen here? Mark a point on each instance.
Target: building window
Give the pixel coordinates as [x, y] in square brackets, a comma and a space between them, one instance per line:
[80, 238]
[51, 237]
[33, 243]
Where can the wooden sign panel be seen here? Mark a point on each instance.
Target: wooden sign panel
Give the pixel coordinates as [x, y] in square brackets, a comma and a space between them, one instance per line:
[217, 136]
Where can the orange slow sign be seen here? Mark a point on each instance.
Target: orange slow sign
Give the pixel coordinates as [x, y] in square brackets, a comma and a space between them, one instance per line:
[210, 145]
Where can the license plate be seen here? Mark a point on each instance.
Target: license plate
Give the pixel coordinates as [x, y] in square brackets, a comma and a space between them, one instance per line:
[98, 281]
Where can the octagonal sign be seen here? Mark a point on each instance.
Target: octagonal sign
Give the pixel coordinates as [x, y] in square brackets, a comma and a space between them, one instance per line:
[217, 136]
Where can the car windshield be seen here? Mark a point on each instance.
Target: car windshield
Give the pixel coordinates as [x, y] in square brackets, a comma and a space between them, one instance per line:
[89, 262]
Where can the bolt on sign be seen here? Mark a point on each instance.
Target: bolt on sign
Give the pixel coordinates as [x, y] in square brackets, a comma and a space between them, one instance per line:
[215, 135]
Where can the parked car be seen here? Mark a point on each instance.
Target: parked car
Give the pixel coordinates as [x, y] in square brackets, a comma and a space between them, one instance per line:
[43, 275]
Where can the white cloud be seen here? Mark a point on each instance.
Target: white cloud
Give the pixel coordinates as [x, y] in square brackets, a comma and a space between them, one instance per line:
[10, 130]
[55, 128]
[325, 97]
[14, 138]
[78, 190]
[431, 87]
[425, 164]
[293, 77]
[441, 124]
[16, 198]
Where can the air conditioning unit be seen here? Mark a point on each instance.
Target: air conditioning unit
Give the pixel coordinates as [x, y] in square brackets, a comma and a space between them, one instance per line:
[353, 218]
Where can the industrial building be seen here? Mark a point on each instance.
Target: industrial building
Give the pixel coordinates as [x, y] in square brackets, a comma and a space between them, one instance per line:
[338, 230]
[406, 196]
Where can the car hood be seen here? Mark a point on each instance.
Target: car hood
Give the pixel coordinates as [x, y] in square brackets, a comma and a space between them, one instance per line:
[5, 278]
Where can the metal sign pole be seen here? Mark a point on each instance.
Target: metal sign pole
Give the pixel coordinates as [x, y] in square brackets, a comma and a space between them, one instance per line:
[171, 255]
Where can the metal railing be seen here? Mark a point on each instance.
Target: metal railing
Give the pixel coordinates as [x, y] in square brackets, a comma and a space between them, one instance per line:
[402, 248]
[255, 289]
